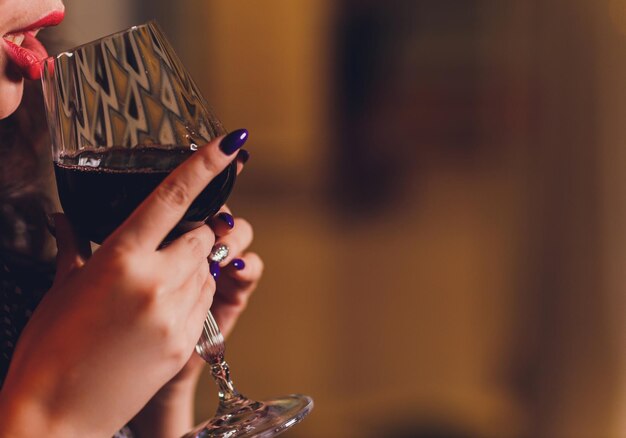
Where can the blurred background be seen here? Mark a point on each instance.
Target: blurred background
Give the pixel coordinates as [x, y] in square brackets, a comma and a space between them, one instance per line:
[438, 193]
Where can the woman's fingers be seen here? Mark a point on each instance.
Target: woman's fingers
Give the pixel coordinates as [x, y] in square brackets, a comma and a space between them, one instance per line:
[237, 283]
[246, 269]
[198, 313]
[72, 250]
[234, 288]
[184, 256]
[162, 210]
[198, 288]
[242, 157]
[237, 240]
[223, 222]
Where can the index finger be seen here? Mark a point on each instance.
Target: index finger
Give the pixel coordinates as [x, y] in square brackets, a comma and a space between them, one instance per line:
[159, 213]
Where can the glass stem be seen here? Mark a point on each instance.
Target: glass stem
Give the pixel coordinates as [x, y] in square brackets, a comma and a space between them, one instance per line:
[221, 374]
[210, 347]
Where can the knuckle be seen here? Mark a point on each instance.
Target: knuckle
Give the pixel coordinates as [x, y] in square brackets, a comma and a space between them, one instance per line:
[208, 291]
[210, 164]
[246, 232]
[257, 261]
[196, 247]
[165, 333]
[245, 225]
[180, 356]
[121, 263]
[203, 273]
[206, 297]
[173, 193]
[147, 299]
[175, 347]
[201, 240]
[208, 237]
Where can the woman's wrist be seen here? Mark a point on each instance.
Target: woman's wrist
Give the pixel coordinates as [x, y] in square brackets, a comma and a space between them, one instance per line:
[168, 414]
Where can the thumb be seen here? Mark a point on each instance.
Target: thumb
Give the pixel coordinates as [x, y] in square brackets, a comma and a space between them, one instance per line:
[72, 250]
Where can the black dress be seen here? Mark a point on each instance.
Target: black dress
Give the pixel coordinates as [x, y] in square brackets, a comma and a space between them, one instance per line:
[23, 283]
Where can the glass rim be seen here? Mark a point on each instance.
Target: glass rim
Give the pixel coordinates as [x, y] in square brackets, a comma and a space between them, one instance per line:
[70, 52]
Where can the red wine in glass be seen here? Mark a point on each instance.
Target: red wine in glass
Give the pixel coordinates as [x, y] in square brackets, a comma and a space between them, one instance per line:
[99, 189]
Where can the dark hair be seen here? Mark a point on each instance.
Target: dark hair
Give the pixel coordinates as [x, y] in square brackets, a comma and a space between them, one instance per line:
[23, 161]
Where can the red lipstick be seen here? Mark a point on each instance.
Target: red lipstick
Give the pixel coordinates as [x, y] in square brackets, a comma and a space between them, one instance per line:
[26, 57]
[52, 19]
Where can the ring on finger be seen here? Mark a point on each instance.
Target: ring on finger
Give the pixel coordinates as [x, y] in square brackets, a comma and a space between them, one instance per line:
[218, 253]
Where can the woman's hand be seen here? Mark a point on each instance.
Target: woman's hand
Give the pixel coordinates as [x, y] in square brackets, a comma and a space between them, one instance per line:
[116, 327]
[238, 274]
[170, 412]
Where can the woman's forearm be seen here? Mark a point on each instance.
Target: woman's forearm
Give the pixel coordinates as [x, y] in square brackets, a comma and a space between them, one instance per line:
[168, 415]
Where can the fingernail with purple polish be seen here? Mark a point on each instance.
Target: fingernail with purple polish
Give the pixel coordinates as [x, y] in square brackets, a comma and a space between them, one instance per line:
[238, 264]
[233, 141]
[214, 267]
[227, 219]
[243, 156]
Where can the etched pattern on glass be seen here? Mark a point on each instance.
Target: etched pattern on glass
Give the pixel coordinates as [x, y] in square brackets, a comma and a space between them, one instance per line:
[127, 90]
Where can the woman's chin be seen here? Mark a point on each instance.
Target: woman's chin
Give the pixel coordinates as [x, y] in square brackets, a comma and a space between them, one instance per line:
[10, 96]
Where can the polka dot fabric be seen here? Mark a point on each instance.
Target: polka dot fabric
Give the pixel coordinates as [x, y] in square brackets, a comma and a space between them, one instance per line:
[19, 296]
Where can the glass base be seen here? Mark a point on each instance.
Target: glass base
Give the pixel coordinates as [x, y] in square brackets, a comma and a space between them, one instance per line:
[247, 418]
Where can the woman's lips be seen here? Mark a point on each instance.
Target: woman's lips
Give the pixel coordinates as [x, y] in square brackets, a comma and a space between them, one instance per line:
[25, 50]
[27, 56]
[52, 19]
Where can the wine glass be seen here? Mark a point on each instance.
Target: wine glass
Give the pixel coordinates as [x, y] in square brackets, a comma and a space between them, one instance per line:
[123, 113]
